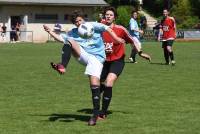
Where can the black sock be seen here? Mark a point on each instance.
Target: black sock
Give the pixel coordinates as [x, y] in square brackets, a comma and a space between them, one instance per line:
[166, 55]
[171, 54]
[107, 95]
[95, 99]
[66, 54]
[133, 54]
[102, 88]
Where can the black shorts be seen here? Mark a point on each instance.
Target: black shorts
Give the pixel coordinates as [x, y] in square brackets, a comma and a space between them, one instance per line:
[167, 43]
[115, 67]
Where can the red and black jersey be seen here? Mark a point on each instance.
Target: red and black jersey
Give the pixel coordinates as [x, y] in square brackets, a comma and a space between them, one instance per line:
[168, 27]
[118, 50]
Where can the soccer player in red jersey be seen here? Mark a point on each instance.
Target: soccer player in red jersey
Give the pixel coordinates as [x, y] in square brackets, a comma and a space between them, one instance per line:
[168, 32]
[115, 53]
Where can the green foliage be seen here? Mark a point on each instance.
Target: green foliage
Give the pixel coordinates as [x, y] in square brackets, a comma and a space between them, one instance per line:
[155, 7]
[117, 3]
[188, 23]
[182, 7]
[196, 7]
[186, 12]
[183, 14]
[124, 14]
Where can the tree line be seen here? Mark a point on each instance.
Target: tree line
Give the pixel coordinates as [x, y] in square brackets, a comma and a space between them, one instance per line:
[186, 12]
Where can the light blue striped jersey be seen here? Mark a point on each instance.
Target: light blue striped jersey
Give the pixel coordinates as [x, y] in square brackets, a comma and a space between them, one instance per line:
[134, 25]
[93, 45]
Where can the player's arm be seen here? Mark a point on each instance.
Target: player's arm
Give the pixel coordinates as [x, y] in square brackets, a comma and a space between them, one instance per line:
[134, 28]
[114, 36]
[138, 30]
[160, 34]
[129, 39]
[174, 22]
[103, 27]
[53, 34]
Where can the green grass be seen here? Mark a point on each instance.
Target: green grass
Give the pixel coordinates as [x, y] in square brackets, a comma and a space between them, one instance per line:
[147, 98]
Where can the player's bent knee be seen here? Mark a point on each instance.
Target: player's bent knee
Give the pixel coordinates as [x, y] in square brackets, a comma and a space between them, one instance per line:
[109, 83]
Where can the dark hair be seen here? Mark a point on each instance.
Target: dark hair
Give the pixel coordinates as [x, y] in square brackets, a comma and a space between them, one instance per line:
[110, 9]
[75, 15]
[133, 11]
[166, 9]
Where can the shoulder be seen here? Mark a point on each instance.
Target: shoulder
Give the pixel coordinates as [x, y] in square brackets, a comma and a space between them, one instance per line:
[98, 25]
[120, 27]
[122, 30]
[170, 18]
[132, 20]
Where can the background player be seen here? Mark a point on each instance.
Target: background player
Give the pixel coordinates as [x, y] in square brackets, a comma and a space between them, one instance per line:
[135, 33]
[168, 32]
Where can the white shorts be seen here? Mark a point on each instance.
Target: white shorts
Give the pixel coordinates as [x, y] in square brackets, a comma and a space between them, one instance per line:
[136, 41]
[93, 65]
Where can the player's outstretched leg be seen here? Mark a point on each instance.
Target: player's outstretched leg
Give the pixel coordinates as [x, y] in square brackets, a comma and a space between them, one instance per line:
[66, 55]
[144, 55]
[58, 67]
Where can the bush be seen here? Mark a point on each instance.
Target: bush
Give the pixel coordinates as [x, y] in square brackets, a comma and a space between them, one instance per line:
[183, 14]
[124, 15]
[188, 23]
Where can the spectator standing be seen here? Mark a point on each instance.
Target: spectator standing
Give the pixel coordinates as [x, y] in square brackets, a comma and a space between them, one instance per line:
[13, 35]
[17, 27]
[4, 28]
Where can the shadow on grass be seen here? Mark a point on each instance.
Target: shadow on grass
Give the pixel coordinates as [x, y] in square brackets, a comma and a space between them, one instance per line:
[157, 63]
[134, 62]
[68, 117]
[89, 111]
[153, 63]
[73, 117]
[130, 62]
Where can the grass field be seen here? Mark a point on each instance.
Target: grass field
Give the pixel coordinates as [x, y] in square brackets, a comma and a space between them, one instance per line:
[147, 98]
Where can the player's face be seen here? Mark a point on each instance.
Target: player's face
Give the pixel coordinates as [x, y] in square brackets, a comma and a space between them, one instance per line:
[110, 17]
[135, 15]
[165, 13]
[100, 15]
[79, 21]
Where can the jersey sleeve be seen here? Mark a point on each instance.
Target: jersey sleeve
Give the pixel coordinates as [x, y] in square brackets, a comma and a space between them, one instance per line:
[99, 26]
[64, 37]
[126, 36]
[132, 24]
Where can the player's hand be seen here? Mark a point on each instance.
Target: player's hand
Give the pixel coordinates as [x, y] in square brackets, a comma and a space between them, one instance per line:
[120, 40]
[46, 28]
[141, 32]
[108, 51]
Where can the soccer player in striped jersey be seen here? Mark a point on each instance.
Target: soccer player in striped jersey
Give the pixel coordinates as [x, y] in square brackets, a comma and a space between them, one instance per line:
[115, 53]
[168, 30]
[89, 52]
